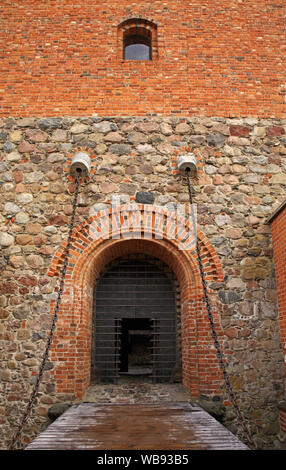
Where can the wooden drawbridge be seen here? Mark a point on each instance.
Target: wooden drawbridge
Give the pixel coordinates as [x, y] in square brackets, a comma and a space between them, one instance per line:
[164, 426]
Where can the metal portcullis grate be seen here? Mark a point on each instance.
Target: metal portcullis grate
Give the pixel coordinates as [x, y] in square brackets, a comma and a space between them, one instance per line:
[135, 323]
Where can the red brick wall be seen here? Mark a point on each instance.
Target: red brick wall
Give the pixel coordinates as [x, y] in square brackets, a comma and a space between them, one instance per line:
[283, 420]
[278, 228]
[217, 57]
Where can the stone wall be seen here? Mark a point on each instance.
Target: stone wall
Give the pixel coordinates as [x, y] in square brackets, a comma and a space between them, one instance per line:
[242, 179]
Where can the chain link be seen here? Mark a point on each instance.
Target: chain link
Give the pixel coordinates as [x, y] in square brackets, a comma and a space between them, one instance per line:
[219, 354]
[27, 412]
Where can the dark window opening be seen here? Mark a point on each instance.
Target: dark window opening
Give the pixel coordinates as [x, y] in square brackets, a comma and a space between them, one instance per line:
[137, 44]
[137, 52]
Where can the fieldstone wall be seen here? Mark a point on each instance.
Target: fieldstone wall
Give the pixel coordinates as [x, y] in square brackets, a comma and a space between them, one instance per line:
[242, 179]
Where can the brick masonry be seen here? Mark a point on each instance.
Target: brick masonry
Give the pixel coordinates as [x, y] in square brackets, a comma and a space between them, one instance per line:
[278, 229]
[215, 58]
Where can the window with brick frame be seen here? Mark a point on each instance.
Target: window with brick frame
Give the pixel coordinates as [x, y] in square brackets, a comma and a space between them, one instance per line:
[137, 40]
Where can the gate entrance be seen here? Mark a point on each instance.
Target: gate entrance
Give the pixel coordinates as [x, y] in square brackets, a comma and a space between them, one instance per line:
[90, 261]
[136, 347]
[136, 325]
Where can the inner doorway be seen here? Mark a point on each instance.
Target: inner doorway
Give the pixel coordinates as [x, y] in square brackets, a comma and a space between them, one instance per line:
[136, 323]
[136, 347]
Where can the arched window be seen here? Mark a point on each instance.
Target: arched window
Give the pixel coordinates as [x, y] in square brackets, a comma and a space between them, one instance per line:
[137, 40]
[137, 44]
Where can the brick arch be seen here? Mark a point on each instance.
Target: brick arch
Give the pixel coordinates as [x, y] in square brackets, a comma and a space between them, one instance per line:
[101, 239]
[125, 22]
[148, 28]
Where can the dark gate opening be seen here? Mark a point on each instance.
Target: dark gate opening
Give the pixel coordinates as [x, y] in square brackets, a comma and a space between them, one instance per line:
[136, 355]
[135, 327]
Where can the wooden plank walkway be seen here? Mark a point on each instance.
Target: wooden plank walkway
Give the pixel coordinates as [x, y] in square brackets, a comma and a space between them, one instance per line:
[166, 426]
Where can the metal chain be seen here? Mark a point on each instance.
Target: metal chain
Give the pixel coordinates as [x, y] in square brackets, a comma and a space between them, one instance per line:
[27, 412]
[233, 399]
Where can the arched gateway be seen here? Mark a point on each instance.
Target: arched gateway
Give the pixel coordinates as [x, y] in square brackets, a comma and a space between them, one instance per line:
[135, 234]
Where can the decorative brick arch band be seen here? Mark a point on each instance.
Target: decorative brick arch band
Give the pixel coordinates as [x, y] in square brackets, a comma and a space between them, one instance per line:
[114, 233]
[147, 27]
